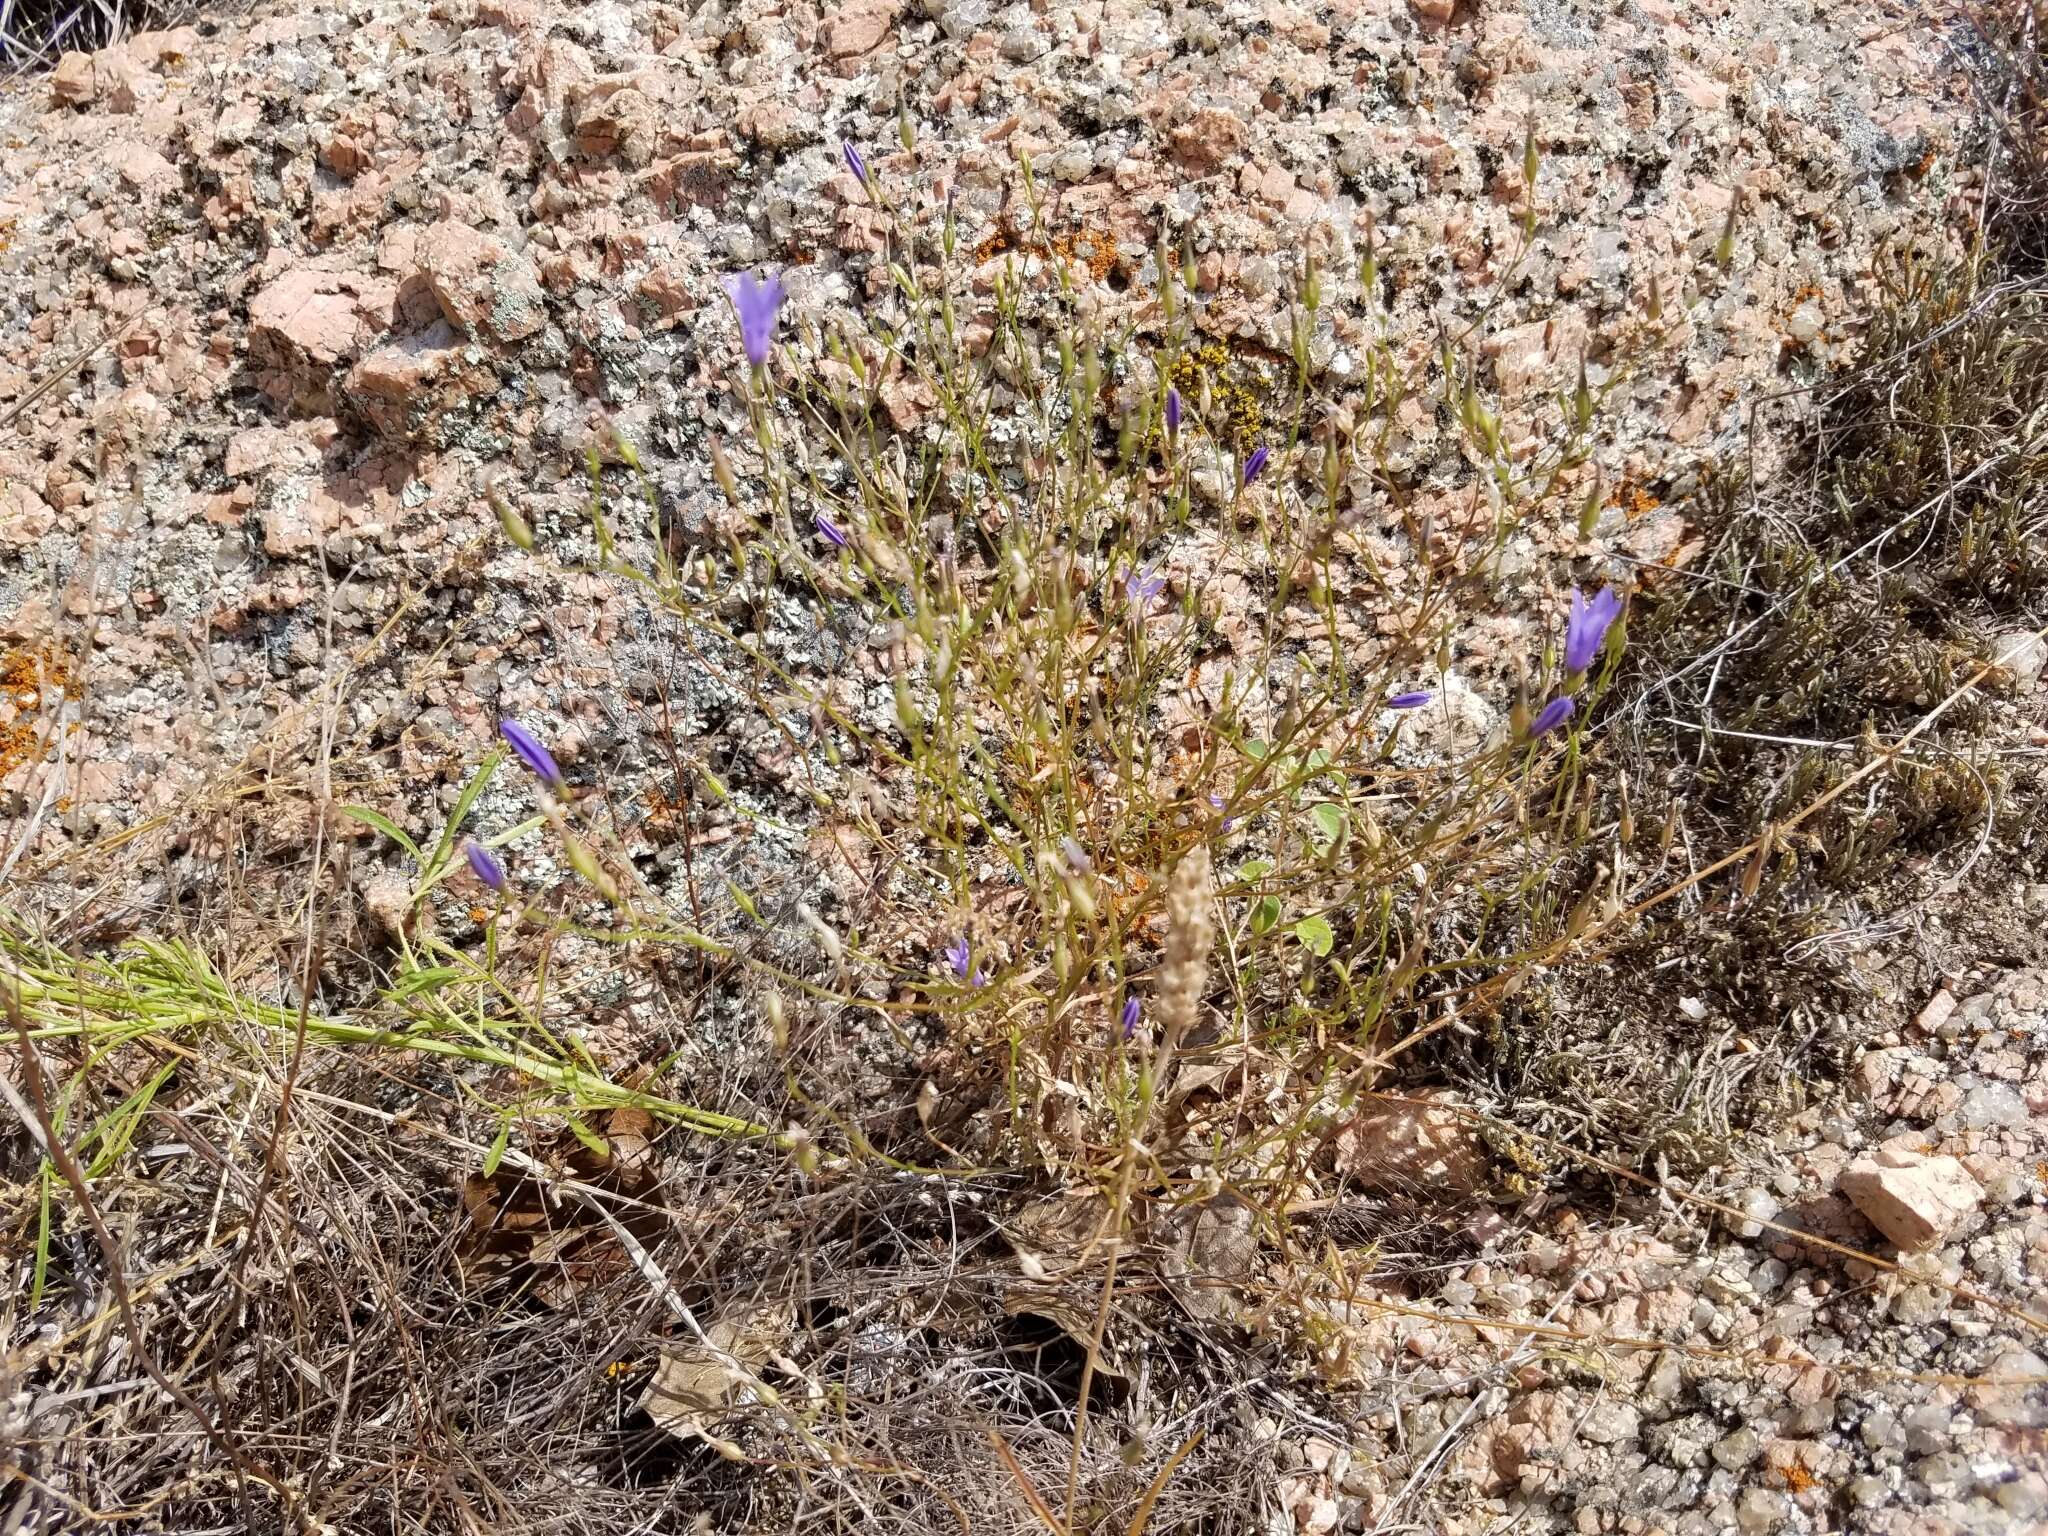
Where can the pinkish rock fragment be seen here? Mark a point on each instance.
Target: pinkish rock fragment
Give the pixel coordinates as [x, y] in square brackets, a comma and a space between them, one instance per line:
[617, 119]
[410, 389]
[483, 289]
[859, 28]
[75, 82]
[24, 516]
[1915, 1201]
[1210, 139]
[308, 323]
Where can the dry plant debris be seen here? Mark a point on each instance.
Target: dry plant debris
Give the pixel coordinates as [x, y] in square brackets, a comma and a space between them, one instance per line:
[1114, 768]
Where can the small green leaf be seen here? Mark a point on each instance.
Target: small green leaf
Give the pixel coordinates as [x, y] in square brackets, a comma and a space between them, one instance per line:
[1315, 935]
[499, 1142]
[445, 849]
[588, 1137]
[1256, 750]
[1265, 914]
[387, 826]
[1329, 820]
[1251, 871]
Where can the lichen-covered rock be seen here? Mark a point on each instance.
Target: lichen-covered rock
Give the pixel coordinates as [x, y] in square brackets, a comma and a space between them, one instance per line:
[483, 289]
[417, 388]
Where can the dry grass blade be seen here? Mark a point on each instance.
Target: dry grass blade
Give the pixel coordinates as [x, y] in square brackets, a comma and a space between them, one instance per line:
[1032, 1497]
[1142, 1516]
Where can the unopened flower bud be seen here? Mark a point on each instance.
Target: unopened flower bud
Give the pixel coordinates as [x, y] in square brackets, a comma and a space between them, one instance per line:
[721, 471]
[517, 529]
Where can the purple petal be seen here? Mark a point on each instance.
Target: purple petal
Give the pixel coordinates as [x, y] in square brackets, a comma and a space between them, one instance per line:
[527, 748]
[485, 864]
[854, 162]
[1554, 714]
[960, 956]
[829, 531]
[1130, 1017]
[1172, 410]
[757, 302]
[1255, 464]
[1410, 700]
[1586, 626]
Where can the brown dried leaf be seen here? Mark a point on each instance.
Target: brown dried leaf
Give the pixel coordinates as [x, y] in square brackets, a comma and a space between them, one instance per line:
[1210, 1251]
[1072, 1311]
[1417, 1141]
[691, 1382]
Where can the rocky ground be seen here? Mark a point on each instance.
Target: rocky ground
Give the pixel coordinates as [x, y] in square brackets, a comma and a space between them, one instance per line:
[283, 295]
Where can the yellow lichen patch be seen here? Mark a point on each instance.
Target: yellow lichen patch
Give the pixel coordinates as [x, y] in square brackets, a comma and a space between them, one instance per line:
[1237, 390]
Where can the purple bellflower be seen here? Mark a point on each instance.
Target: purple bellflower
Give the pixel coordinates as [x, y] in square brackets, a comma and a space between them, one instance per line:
[1172, 412]
[829, 531]
[1255, 465]
[527, 748]
[1143, 588]
[1220, 803]
[1586, 627]
[757, 302]
[1411, 700]
[485, 865]
[1553, 714]
[854, 162]
[1130, 1017]
[960, 958]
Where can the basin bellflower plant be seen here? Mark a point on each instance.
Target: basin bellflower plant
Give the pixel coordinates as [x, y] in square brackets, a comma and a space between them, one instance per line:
[854, 162]
[1172, 412]
[1255, 465]
[960, 958]
[1130, 1017]
[829, 531]
[1586, 627]
[1411, 700]
[527, 748]
[757, 301]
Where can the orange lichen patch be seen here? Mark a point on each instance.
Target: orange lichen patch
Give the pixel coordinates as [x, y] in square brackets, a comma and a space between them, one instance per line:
[1633, 500]
[6, 235]
[1797, 1478]
[1094, 252]
[30, 680]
